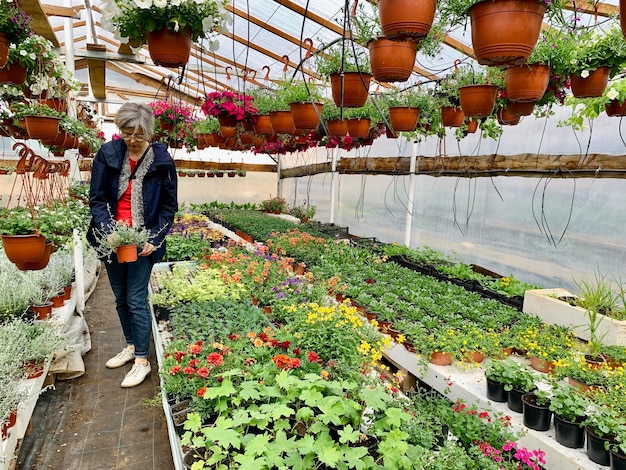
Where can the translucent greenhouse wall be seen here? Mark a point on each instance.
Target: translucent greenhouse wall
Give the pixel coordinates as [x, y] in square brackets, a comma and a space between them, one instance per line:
[550, 231]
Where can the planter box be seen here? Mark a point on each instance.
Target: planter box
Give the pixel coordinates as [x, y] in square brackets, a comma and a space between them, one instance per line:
[545, 304]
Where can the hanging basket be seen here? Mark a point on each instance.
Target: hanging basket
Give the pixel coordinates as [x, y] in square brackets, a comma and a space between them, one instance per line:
[505, 118]
[337, 127]
[24, 249]
[526, 82]
[40, 263]
[356, 87]
[4, 49]
[169, 48]
[263, 125]
[13, 73]
[126, 253]
[520, 108]
[42, 127]
[306, 115]
[228, 132]
[478, 100]
[392, 61]
[614, 108]
[452, 116]
[403, 118]
[227, 120]
[591, 87]
[282, 122]
[58, 104]
[406, 19]
[358, 128]
[505, 31]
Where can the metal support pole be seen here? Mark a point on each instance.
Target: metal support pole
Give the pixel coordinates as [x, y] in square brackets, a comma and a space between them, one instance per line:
[333, 186]
[279, 183]
[411, 193]
[79, 271]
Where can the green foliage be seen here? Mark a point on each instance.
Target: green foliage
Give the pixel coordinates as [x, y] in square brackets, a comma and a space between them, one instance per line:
[207, 126]
[513, 375]
[299, 91]
[342, 56]
[181, 247]
[14, 23]
[274, 204]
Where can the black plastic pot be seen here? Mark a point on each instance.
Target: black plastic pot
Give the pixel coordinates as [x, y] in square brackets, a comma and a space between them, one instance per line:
[514, 400]
[496, 391]
[618, 461]
[537, 417]
[595, 448]
[568, 433]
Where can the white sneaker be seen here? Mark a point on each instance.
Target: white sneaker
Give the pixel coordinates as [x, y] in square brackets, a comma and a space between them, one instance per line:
[136, 375]
[121, 358]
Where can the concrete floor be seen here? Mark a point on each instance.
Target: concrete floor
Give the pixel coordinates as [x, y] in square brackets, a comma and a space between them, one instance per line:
[91, 423]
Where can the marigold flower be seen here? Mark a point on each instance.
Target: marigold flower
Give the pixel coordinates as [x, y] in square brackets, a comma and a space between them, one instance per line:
[175, 370]
[201, 392]
[215, 359]
[202, 372]
[194, 348]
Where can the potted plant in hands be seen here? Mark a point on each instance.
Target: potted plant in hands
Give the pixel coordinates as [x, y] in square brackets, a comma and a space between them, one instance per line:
[570, 409]
[122, 239]
[168, 26]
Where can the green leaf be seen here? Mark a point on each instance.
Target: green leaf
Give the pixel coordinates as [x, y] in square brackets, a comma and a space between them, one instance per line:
[249, 390]
[257, 445]
[249, 462]
[329, 456]
[348, 434]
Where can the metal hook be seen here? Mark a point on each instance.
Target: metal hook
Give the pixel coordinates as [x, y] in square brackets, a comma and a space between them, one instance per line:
[456, 63]
[267, 72]
[309, 43]
[252, 74]
[354, 7]
[286, 62]
[227, 72]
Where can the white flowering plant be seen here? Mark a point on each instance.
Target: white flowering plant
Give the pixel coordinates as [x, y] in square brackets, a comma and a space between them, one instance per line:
[590, 108]
[130, 20]
[602, 45]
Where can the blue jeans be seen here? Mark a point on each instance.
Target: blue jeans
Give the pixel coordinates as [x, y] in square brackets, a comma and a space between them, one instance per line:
[129, 282]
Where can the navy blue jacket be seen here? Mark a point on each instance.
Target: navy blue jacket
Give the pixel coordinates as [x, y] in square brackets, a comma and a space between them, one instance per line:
[160, 186]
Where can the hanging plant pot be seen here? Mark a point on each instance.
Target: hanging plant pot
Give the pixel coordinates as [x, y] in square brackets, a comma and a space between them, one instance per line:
[505, 118]
[537, 417]
[406, 19]
[356, 87]
[568, 433]
[478, 100]
[169, 48]
[337, 127]
[126, 253]
[392, 61]
[306, 115]
[42, 127]
[614, 108]
[520, 108]
[472, 126]
[263, 125]
[13, 73]
[24, 248]
[58, 104]
[282, 122]
[227, 120]
[595, 448]
[403, 118]
[496, 391]
[505, 31]
[228, 132]
[452, 116]
[40, 263]
[526, 82]
[358, 128]
[591, 86]
[4, 49]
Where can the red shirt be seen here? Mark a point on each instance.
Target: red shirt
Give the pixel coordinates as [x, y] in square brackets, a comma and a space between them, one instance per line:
[124, 212]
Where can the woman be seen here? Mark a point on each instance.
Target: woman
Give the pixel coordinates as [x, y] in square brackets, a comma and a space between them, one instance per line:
[133, 181]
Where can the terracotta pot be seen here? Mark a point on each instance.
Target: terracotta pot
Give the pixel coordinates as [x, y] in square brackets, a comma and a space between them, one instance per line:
[228, 132]
[42, 127]
[506, 118]
[306, 115]
[40, 263]
[169, 48]
[24, 248]
[474, 357]
[356, 87]
[42, 312]
[583, 387]
[478, 100]
[58, 300]
[505, 31]
[358, 128]
[57, 104]
[337, 127]
[9, 423]
[541, 365]
[33, 369]
[282, 122]
[592, 86]
[472, 126]
[263, 125]
[440, 358]
[227, 120]
[452, 116]
[403, 118]
[126, 253]
[520, 108]
[13, 73]
[4, 49]
[406, 19]
[613, 108]
[392, 61]
[526, 82]
[67, 292]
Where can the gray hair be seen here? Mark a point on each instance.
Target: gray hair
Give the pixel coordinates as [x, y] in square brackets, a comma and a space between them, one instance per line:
[136, 116]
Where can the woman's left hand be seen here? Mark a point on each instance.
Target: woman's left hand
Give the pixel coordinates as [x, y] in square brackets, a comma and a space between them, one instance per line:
[148, 249]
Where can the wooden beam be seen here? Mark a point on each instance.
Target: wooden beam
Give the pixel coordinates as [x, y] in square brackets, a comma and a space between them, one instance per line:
[197, 165]
[65, 12]
[97, 72]
[587, 6]
[39, 20]
[526, 165]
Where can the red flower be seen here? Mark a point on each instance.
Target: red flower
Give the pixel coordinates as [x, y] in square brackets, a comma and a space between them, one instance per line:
[175, 370]
[202, 372]
[215, 359]
[194, 362]
[194, 348]
[189, 370]
[179, 355]
[294, 363]
[285, 345]
[296, 351]
[313, 357]
[201, 392]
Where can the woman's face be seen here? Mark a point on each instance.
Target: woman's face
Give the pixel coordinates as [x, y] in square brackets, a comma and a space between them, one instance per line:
[134, 138]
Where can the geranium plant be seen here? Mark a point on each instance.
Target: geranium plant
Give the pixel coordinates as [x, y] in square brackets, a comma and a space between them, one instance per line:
[229, 102]
[132, 19]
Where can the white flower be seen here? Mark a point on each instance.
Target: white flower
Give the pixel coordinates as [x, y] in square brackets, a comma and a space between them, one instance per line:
[612, 93]
[145, 4]
[584, 73]
[175, 3]
[214, 45]
[208, 24]
[160, 3]
[23, 53]
[32, 56]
